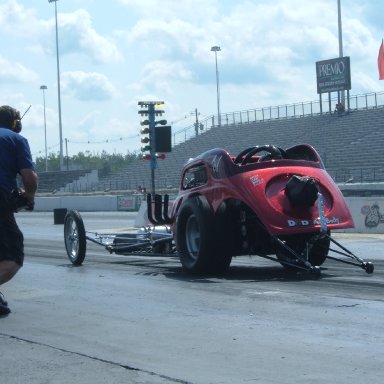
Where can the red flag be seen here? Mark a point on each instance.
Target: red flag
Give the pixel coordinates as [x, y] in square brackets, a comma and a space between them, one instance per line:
[380, 61]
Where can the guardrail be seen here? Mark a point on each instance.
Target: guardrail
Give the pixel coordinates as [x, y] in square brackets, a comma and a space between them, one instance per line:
[357, 175]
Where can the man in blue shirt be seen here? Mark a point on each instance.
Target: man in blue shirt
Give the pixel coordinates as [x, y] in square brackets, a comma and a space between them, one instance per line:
[15, 159]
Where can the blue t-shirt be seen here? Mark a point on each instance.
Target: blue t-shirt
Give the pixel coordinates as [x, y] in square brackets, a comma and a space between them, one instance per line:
[15, 155]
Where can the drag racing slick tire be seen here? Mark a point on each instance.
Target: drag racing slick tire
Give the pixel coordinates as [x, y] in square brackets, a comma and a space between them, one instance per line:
[196, 239]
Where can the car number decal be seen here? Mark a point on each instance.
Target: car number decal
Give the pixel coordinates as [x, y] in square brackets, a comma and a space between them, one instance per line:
[305, 223]
[255, 180]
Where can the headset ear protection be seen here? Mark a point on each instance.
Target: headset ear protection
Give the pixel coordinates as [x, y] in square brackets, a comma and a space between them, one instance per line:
[10, 118]
[16, 125]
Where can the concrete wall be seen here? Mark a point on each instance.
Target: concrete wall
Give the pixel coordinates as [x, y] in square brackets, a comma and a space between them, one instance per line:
[90, 203]
[367, 212]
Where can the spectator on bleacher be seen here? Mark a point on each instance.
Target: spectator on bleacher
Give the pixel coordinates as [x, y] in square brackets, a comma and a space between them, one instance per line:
[15, 158]
[339, 108]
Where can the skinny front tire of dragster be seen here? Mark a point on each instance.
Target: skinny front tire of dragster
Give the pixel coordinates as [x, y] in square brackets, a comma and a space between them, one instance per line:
[74, 237]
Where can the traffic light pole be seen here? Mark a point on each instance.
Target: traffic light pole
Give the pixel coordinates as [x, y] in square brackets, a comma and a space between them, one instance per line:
[152, 133]
[161, 143]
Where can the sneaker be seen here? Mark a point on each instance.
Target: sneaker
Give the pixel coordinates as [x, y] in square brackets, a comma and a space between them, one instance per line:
[4, 310]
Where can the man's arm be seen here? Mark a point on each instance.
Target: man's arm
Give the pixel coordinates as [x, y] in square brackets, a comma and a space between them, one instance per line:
[30, 181]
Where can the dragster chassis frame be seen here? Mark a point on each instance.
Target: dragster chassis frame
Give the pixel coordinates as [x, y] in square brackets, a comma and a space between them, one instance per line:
[157, 240]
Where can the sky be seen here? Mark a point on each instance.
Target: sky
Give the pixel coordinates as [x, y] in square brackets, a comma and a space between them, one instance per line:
[115, 53]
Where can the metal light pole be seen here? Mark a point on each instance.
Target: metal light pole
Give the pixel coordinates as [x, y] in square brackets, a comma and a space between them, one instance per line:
[44, 88]
[58, 88]
[340, 32]
[217, 49]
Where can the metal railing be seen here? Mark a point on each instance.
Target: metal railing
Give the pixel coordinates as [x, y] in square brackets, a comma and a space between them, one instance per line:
[287, 111]
[357, 175]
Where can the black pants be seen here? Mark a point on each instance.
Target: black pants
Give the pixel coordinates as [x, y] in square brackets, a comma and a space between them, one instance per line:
[11, 238]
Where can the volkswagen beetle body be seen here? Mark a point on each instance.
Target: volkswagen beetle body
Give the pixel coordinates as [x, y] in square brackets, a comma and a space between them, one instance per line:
[230, 206]
[260, 185]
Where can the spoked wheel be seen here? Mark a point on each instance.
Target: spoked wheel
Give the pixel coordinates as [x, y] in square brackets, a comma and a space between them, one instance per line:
[74, 237]
[297, 243]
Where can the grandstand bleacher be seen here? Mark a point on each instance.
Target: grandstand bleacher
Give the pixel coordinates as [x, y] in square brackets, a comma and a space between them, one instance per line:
[54, 181]
[350, 144]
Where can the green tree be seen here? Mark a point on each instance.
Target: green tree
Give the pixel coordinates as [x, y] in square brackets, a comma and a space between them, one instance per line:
[104, 162]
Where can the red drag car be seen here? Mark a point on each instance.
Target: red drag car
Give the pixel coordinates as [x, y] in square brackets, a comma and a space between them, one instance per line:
[278, 204]
[266, 201]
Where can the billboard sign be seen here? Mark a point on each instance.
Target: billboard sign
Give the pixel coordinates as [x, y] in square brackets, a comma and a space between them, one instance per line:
[129, 203]
[333, 75]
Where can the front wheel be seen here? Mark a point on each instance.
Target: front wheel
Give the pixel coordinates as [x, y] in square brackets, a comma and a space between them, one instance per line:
[74, 237]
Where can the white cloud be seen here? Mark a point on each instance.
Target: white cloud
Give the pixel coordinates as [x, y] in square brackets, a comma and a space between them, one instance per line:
[193, 10]
[87, 86]
[11, 72]
[76, 32]
[77, 35]
[113, 54]
[16, 19]
[160, 74]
